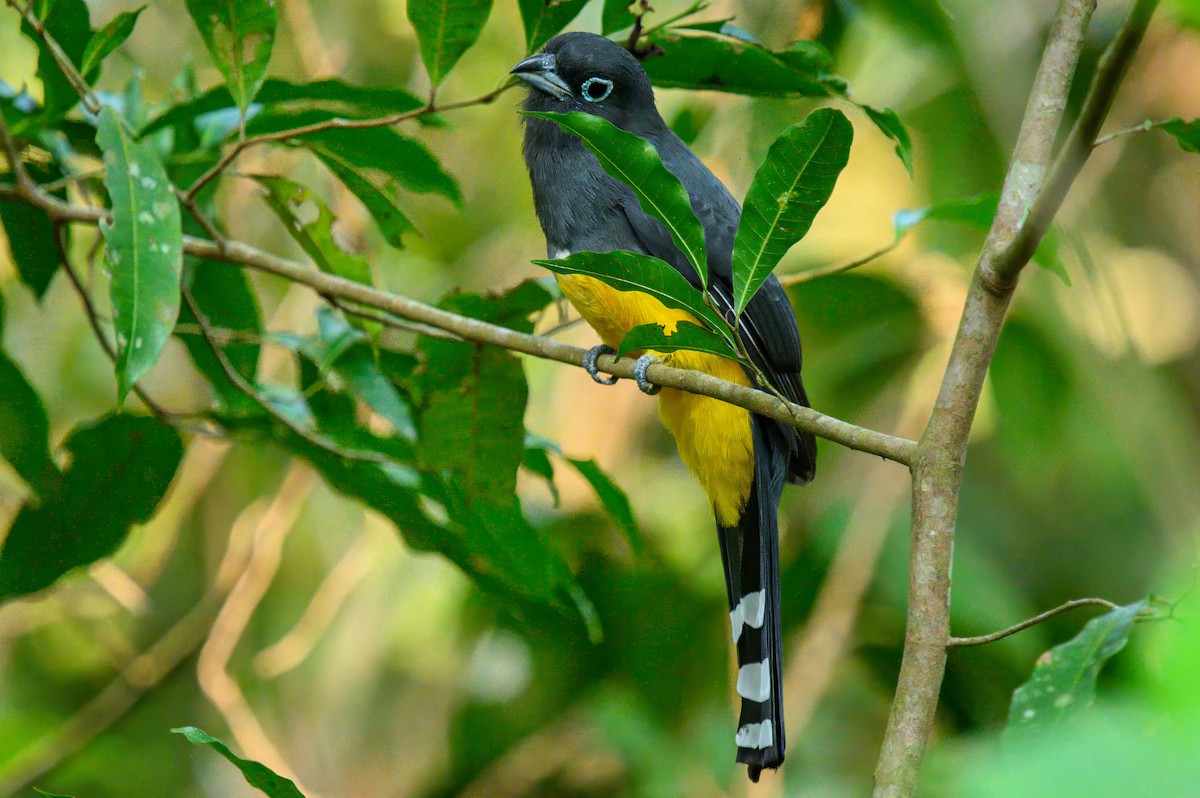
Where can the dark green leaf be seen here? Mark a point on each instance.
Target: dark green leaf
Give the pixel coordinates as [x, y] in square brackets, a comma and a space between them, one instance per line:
[445, 30]
[692, 60]
[1186, 134]
[286, 197]
[24, 429]
[31, 235]
[789, 189]
[108, 39]
[615, 16]
[329, 97]
[612, 497]
[537, 461]
[685, 336]
[1064, 679]
[257, 774]
[145, 250]
[223, 294]
[544, 18]
[69, 24]
[890, 125]
[634, 161]
[631, 271]
[120, 469]
[379, 197]
[239, 35]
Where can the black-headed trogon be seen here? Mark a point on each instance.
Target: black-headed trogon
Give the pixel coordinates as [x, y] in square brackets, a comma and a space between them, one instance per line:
[741, 460]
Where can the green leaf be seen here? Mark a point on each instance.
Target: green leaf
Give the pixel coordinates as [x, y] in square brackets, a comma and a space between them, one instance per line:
[789, 189]
[31, 235]
[286, 197]
[634, 161]
[544, 18]
[686, 336]
[223, 294]
[890, 125]
[51, 794]
[120, 469]
[611, 497]
[537, 461]
[69, 24]
[615, 16]
[145, 250]
[108, 39]
[697, 60]
[257, 774]
[1186, 134]
[632, 271]
[1064, 679]
[24, 428]
[329, 97]
[445, 30]
[239, 35]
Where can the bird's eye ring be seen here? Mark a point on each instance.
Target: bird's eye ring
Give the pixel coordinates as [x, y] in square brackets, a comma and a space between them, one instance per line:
[596, 89]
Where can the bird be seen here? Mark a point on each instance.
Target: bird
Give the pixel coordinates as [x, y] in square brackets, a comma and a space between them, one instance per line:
[741, 460]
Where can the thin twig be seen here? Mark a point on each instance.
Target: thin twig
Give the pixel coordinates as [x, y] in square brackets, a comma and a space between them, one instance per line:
[389, 320]
[1142, 128]
[835, 268]
[960, 642]
[65, 65]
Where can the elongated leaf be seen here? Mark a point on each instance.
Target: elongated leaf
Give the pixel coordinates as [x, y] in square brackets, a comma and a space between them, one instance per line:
[685, 336]
[145, 250]
[544, 18]
[225, 298]
[1186, 134]
[106, 40]
[890, 125]
[1064, 679]
[615, 16]
[697, 60]
[789, 189]
[239, 35]
[631, 271]
[24, 428]
[285, 197]
[69, 24]
[120, 469]
[445, 30]
[332, 97]
[257, 774]
[634, 161]
[611, 497]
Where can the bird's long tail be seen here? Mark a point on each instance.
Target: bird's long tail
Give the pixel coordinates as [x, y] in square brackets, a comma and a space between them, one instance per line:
[750, 552]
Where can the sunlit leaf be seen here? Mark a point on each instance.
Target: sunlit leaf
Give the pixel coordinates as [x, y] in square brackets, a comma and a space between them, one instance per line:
[106, 40]
[697, 60]
[120, 469]
[634, 161]
[239, 35]
[632, 271]
[286, 198]
[544, 18]
[144, 243]
[685, 336]
[1186, 134]
[257, 774]
[789, 189]
[1064, 679]
[445, 30]
[890, 125]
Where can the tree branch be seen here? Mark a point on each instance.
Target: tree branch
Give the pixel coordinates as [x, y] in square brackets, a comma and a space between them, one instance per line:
[1028, 203]
[981, 640]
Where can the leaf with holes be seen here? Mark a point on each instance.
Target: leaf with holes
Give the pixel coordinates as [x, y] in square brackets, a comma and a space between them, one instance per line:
[789, 189]
[239, 35]
[257, 774]
[287, 198]
[144, 245]
[445, 30]
[634, 161]
[544, 18]
[106, 40]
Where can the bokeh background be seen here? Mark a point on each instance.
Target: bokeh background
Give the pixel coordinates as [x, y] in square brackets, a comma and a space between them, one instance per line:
[368, 670]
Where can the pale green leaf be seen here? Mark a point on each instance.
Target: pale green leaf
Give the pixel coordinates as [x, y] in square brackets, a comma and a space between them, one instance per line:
[239, 35]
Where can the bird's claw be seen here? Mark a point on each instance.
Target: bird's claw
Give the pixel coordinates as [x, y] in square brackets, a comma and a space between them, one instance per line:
[589, 364]
[639, 373]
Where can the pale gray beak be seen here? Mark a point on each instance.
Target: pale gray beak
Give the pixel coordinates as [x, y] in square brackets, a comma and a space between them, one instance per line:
[540, 71]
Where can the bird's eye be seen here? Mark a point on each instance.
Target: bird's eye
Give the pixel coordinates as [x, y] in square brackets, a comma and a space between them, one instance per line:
[596, 89]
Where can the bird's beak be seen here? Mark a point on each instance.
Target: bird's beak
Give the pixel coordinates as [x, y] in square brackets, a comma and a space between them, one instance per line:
[540, 71]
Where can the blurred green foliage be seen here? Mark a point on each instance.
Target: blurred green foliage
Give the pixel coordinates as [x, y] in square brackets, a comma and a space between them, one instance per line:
[351, 658]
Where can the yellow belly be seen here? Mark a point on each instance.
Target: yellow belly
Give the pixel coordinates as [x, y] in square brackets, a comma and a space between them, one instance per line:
[713, 437]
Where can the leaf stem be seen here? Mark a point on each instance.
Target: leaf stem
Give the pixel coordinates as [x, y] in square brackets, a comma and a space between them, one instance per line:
[808, 275]
[961, 642]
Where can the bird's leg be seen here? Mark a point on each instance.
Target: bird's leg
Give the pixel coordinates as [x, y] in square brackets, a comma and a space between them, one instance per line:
[589, 363]
[639, 373]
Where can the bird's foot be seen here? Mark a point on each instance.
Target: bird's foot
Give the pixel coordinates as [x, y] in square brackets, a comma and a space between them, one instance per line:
[639, 373]
[589, 364]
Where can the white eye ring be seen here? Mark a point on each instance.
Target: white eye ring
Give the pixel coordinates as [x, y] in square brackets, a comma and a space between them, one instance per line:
[585, 89]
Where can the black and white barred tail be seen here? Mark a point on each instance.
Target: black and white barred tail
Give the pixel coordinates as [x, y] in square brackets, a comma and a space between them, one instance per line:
[750, 552]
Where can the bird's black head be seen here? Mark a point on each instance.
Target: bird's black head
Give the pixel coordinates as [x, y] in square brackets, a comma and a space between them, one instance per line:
[586, 72]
